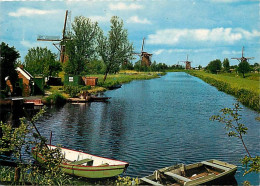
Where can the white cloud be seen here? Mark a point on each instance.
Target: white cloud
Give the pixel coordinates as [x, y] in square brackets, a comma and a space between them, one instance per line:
[30, 12]
[100, 18]
[227, 52]
[136, 19]
[158, 52]
[169, 51]
[229, 1]
[215, 35]
[29, 44]
[123, 6]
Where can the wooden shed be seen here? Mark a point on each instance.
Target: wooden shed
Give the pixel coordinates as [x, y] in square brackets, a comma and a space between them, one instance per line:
[91, 81]
[25, 82]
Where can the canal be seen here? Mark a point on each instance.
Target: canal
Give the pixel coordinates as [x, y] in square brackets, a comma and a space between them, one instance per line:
[153, 124]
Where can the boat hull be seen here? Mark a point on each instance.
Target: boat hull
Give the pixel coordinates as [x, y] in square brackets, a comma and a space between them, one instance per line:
[101, 171]
[205, 172]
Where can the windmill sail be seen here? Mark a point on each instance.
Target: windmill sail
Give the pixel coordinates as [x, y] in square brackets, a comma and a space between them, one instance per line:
[48, 38]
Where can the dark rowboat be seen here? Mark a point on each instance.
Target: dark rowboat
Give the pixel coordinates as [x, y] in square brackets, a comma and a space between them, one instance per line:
[98, 99]
[204, 172]
[86, 165]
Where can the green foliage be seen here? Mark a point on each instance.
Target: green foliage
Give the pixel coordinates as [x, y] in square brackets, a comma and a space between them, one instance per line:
[8, 57]
[81, 47]
[95, 67]
[41, 61]
[243, 67]
[16, 140]
[74, 91]
[214, 66]
[160, 67]
[115, 48]
[56, 98]
[127, 181]
[226, 65]
[231, 118]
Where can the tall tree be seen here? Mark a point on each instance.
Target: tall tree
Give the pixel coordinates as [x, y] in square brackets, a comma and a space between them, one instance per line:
[81, 48]
[243, 67]
[226, 65]
[115, 48]
[8, 57]
[41, 61]
[214, 66]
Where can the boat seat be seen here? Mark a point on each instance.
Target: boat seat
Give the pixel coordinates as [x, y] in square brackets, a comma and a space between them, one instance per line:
[81, 161]
[215, 165]
[176, 176]
[150, 181]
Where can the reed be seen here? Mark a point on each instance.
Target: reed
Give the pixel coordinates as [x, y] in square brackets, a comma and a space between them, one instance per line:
[245, 90]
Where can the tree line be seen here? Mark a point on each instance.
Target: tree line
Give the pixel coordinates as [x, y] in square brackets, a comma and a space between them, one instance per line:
[243, 67]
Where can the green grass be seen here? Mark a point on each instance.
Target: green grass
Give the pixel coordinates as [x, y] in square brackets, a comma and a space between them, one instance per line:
[251, 82]
[124, 77]
[245, 89]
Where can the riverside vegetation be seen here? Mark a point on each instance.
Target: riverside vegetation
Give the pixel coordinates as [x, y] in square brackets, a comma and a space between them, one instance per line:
[14, 142]
[245, 89]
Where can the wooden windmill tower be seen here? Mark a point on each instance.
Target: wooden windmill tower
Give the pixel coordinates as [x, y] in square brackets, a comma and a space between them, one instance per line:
[241, 59]
[61, 41]
[145, 57]
[187, 63]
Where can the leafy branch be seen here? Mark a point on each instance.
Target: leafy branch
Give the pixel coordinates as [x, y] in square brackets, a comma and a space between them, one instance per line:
[231, 118]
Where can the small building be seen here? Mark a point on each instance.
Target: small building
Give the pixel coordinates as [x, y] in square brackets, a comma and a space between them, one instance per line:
[73, 80]
[91, 81]
[28, 85]
[25, 82]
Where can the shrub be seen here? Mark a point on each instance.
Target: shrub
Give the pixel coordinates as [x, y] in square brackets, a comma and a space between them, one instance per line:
[55, 98]
[73, 91]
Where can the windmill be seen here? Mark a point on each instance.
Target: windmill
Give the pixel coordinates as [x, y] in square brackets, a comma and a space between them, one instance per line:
[61, 41]
[241, 59]
[187, 63]
[145, 57]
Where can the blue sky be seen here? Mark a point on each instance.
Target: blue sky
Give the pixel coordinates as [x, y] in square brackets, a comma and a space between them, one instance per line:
[203, 29]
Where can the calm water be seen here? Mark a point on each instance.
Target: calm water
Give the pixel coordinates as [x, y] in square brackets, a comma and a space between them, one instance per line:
[154, 123]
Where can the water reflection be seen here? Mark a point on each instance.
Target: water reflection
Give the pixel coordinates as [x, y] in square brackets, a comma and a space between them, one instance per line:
[153, 124]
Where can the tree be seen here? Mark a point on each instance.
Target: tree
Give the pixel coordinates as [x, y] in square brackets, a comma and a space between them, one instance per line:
[226, 65]
[81, 48]
[8, 57]
[231, 118]
[200, 67]
[214, 66]
[243, 67]
[115, 48]
[41, 61]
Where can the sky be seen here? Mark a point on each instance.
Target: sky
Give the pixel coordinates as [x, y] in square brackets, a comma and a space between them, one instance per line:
[204, 30]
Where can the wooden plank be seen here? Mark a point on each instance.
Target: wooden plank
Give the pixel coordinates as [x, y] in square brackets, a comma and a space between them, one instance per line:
[176, 176]
[81, 162]
[215, 165]
[150, 181]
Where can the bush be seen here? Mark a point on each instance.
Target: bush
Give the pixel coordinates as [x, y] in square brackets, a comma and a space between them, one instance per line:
[55, 98]
[214, 66]
[73, 91]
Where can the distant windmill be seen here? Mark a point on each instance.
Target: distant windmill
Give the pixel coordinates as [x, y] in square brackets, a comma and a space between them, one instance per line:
[61, 42]
[187, 63]
[241, 59]
[145, 57]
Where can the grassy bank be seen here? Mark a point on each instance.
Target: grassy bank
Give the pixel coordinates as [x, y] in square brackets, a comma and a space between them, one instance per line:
[58, 93]
[245, 89]
[125, 76]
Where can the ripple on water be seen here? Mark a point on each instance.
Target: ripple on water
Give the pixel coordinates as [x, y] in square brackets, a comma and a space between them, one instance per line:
[153, 124]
